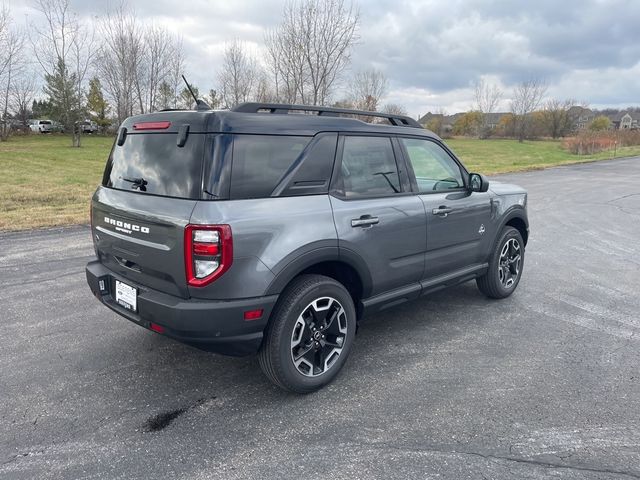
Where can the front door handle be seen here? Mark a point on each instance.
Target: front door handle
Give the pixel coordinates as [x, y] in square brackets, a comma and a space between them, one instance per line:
[442, 211]
[364, 221]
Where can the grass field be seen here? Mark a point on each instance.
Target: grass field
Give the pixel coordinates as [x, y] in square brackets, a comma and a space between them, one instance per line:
[45, 182]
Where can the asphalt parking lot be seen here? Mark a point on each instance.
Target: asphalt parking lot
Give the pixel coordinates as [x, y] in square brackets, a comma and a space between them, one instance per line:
[545, 384]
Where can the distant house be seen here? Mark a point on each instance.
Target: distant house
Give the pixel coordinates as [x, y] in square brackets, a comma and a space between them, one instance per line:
[430, 116]
[625, 120]
[581, 117]
[447, 120]
[493, 119]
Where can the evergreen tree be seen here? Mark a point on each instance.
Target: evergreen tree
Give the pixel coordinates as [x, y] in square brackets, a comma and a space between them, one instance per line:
[63, 97]
[96, 103]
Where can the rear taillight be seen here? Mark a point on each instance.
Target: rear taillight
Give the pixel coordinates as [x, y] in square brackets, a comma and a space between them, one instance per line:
[208, 252]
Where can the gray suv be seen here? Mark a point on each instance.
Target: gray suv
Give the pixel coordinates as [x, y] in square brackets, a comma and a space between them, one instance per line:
[275, 228]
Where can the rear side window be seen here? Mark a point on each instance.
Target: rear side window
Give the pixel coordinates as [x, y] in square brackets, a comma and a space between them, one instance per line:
[261, 161]
[152, 163]
[369, 167]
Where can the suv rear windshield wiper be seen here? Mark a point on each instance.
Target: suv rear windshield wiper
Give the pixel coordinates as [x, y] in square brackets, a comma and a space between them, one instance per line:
[139, 183]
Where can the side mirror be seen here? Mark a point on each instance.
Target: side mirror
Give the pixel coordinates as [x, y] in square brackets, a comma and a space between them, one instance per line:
[478, 183]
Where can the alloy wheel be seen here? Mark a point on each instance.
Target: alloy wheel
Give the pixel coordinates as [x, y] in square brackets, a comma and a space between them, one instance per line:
[509, 263]
[318, 336]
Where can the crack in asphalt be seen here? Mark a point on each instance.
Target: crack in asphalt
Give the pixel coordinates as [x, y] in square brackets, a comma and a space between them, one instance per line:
[506, 458]
[13, 458]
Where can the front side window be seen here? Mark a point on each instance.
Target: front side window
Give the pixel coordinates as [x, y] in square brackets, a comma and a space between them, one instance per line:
[434, 168]
[369, 167]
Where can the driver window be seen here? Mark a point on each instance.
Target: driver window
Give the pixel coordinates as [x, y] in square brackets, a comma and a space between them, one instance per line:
[435, 170]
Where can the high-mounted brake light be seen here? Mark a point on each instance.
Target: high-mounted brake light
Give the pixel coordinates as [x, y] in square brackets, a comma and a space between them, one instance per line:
[151, 125]
[208, 253]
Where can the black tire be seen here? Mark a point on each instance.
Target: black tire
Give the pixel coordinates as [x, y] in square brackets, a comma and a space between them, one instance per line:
[493, 283]
[293, 318]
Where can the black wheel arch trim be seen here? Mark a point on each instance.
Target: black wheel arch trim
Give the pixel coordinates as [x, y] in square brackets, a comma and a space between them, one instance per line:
[320, 255]
[513, 212]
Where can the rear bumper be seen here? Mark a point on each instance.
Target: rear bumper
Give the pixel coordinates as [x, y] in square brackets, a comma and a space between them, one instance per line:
[213, 325]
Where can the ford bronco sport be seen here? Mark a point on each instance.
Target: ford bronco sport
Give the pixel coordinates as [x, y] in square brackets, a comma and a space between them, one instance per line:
[275, 228]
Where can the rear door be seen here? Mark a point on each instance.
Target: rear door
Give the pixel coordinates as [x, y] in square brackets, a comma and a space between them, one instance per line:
[376, 215]
[457, 219]
[150, 188]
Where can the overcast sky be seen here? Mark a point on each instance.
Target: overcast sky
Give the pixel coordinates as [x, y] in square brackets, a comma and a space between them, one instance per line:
[433, 50]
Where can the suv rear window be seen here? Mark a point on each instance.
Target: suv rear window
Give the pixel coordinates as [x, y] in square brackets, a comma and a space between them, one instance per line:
[261, 161]
[156, 159]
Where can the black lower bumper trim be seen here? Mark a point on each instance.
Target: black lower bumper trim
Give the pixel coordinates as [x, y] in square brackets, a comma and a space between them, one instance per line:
[212, 325]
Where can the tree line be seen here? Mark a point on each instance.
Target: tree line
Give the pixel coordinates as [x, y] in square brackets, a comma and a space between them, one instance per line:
[530, 114]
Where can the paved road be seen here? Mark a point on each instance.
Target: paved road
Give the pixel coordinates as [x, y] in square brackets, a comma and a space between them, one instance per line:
[545, 384]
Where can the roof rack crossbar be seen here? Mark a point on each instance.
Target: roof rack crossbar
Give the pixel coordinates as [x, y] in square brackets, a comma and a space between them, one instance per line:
[282, 108]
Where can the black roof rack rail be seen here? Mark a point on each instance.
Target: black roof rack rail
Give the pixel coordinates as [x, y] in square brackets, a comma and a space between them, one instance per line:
[283, 108]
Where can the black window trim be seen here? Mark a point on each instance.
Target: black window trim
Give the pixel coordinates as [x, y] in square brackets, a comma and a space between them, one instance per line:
[336, 188]
[412, 176]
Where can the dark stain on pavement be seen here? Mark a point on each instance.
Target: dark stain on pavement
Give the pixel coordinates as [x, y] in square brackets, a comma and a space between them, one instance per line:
[161, 421]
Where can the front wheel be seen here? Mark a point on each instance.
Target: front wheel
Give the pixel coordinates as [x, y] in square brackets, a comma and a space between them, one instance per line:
[310, 334]
[505, 265]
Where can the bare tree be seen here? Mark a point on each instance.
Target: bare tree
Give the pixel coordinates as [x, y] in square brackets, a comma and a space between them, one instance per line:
[239, 75]
[557, 117]
[22, 95]
[162, 53]
[367, 88]
[394, 109]
[527, 97]
[264, 92]
[487, 97]
[119, 61]
[63, 48]
[11, 65]
[308, 51]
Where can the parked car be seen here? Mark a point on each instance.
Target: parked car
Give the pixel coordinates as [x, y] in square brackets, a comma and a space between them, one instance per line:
[19, 127]
[57, 127]
[87, 126]
[41, 126]
[260, 230]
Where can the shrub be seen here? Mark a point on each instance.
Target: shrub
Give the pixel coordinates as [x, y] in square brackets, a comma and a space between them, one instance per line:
[589, 142]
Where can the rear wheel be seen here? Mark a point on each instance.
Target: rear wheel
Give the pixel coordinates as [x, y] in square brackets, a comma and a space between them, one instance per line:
[505, 265]
[310, 334]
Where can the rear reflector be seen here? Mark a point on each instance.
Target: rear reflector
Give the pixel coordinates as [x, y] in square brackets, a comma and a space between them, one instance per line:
[156, 328]
[253, 314]
[206, 248]
[151, 125]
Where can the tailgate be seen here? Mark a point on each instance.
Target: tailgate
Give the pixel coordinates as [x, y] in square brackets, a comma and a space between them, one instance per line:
[141, 237]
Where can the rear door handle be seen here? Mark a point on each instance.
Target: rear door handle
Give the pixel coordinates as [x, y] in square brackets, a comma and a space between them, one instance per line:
[442, 211]
[364, 221]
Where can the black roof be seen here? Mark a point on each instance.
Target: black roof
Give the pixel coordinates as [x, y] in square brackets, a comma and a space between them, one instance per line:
[273, 122]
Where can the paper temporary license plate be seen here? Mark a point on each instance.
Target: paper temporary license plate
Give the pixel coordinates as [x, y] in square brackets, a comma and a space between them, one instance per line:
[126, 296]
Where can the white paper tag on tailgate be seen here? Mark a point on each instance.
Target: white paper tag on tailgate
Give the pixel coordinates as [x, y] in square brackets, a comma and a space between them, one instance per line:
[126, 296]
